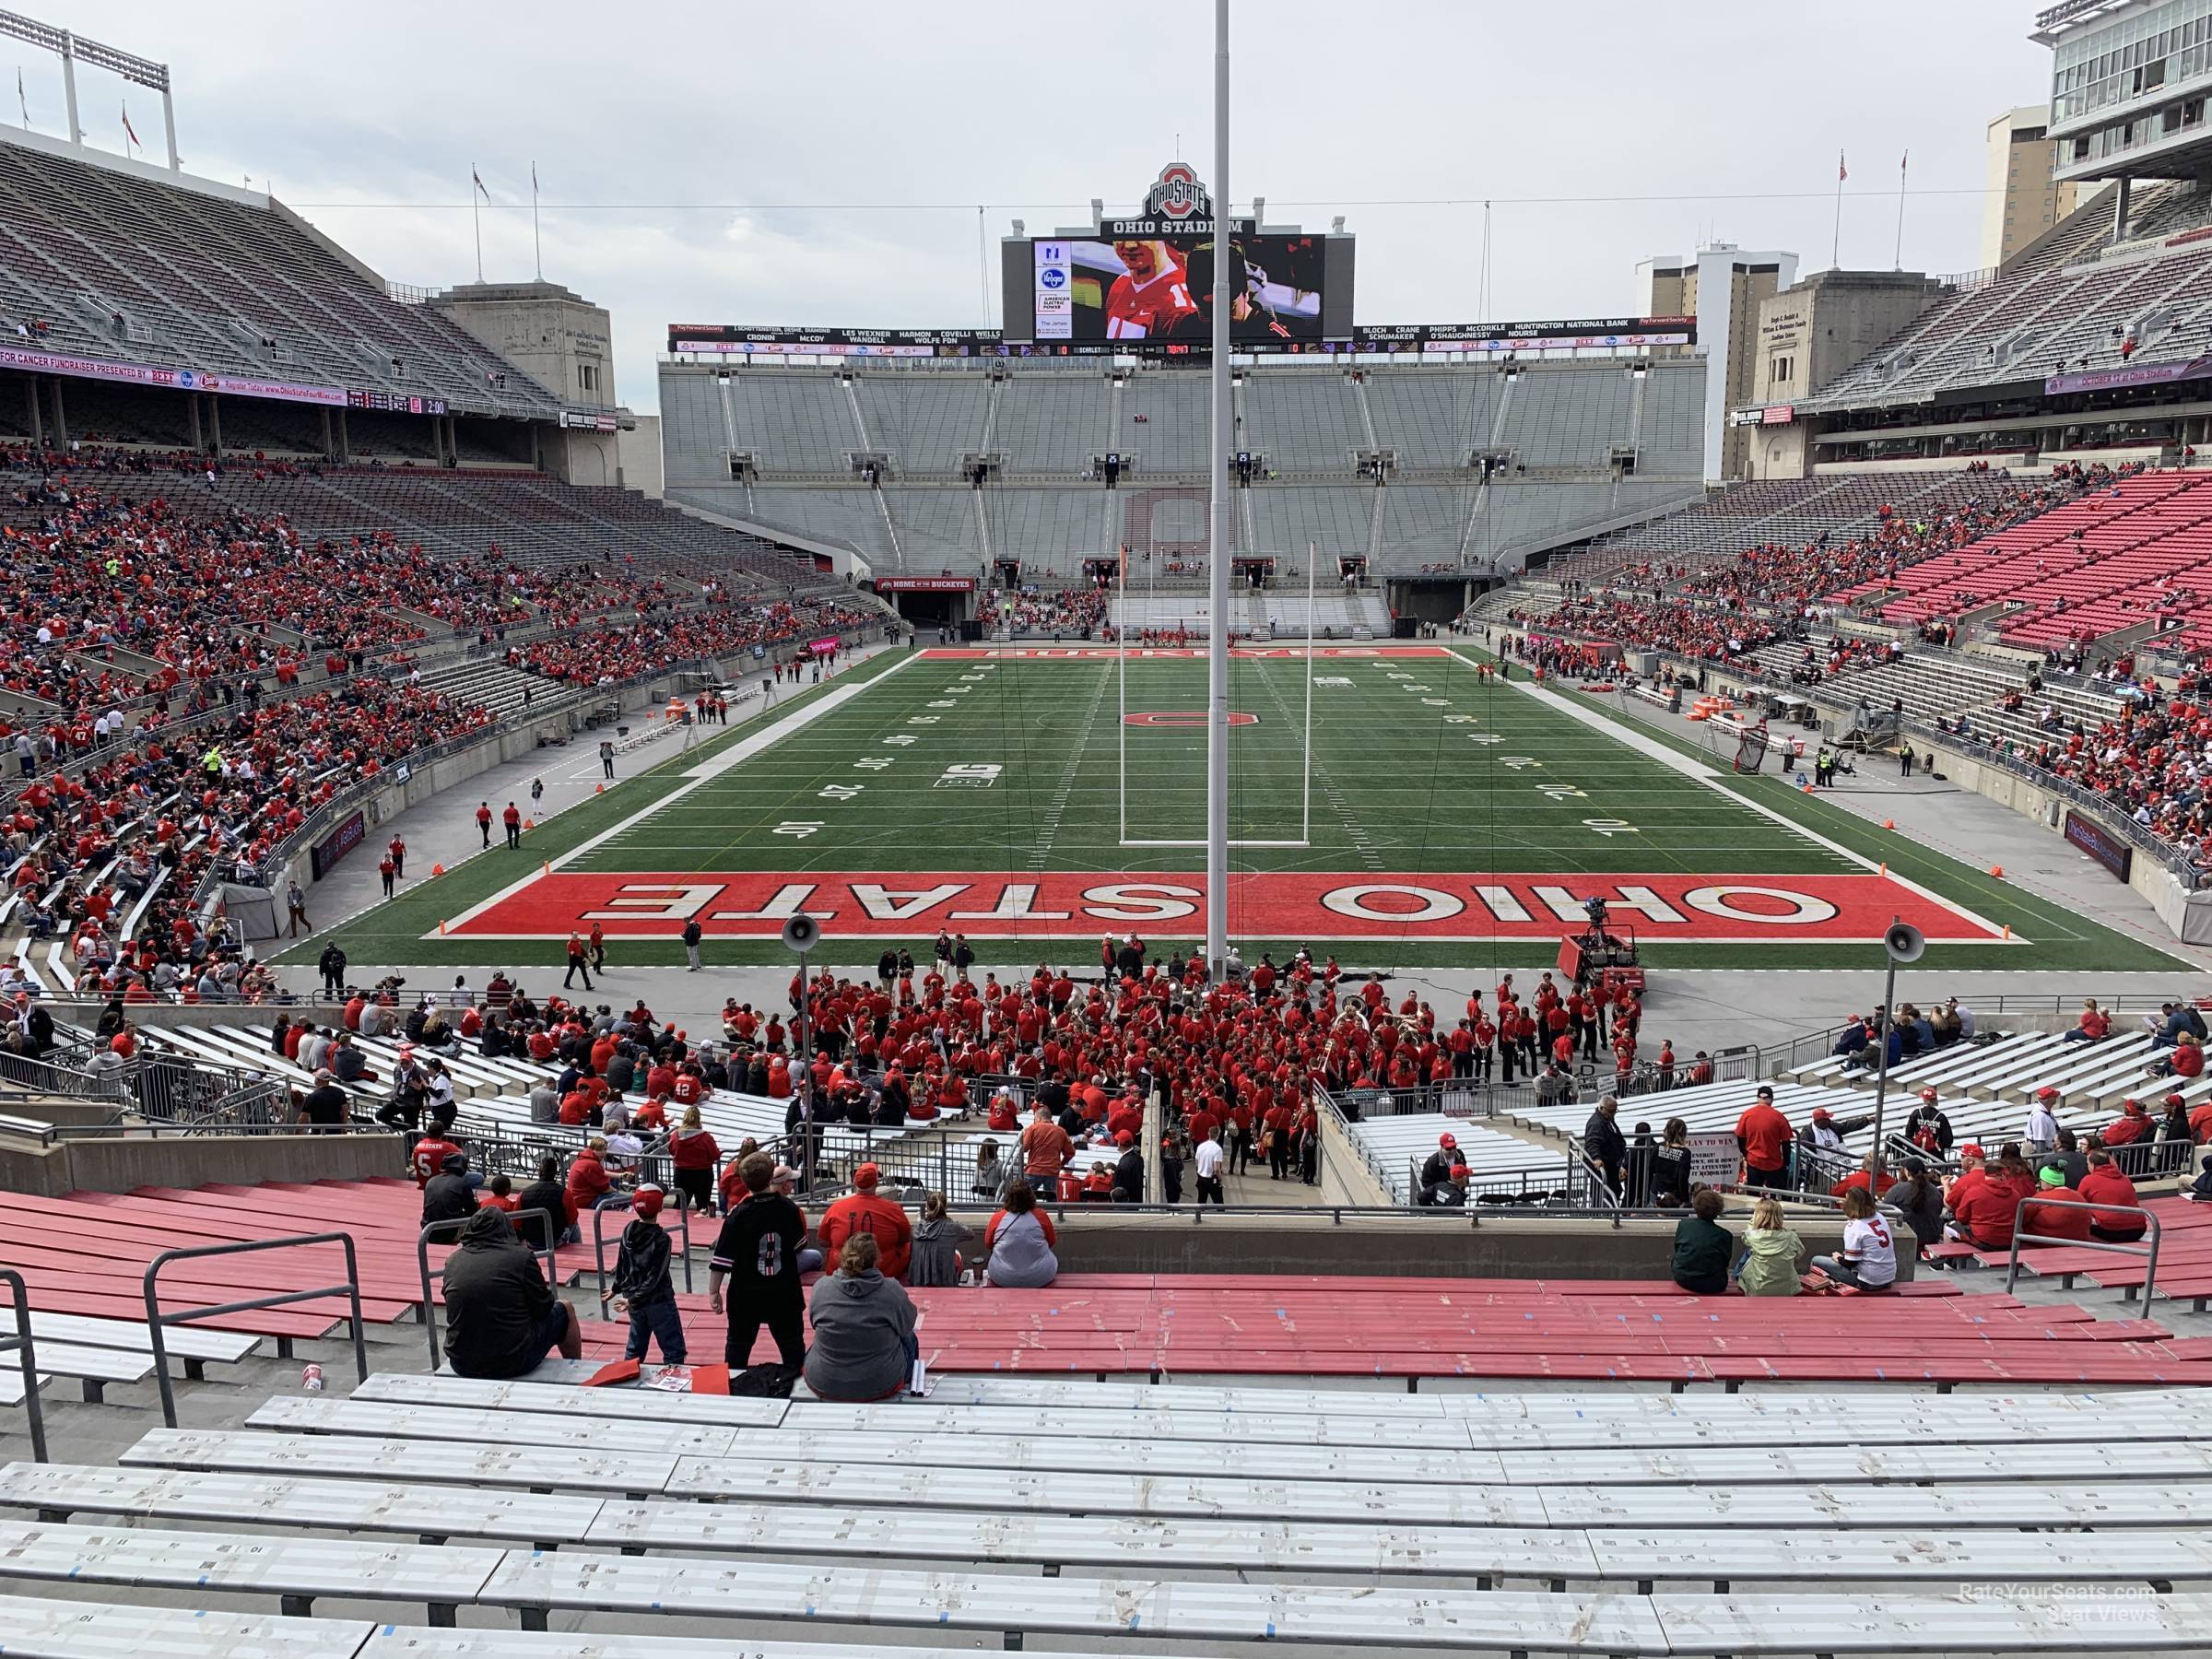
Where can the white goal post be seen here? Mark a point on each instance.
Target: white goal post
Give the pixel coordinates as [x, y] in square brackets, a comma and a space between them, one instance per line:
[1305, 828]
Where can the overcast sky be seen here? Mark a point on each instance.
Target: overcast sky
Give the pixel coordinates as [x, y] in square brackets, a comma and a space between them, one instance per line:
[810, 165]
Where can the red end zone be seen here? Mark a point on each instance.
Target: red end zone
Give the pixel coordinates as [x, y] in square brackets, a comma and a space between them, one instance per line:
[1741, 910]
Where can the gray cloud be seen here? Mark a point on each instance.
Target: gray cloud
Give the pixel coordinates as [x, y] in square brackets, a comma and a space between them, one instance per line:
[766, 164]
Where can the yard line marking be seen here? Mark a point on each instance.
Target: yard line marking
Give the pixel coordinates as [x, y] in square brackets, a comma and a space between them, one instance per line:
[1058, 807]
[705, 772]
[1712, 779]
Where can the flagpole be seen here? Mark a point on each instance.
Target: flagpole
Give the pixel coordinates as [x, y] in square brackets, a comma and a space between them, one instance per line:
[475, 212]
[1836, 255]
[1904, 162]
[538, 246]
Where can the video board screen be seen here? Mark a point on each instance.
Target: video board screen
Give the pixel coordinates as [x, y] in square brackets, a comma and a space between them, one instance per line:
[1161, 287]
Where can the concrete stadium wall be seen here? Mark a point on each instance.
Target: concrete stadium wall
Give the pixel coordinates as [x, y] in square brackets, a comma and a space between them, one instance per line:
[2150, 878]
[118, 1165]
[2146, 875]
[1294, 1241]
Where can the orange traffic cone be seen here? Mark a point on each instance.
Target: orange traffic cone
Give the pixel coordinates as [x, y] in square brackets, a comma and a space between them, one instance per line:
[529, 823]
[1889, 823]
[1998, 871]
[600, 789]
[437, 869]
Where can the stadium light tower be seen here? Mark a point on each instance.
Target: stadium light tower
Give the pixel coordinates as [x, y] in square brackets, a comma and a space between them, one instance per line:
[1217, 655]
[70, 48]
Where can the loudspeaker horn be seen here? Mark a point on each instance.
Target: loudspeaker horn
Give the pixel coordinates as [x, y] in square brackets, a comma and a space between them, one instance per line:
[803, 930]
[1903, 942]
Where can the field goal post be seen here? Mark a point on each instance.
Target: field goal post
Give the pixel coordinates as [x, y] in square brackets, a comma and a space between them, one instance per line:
[1121, 652]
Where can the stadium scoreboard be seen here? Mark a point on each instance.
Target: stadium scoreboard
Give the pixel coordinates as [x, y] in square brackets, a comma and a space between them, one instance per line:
[1142, 284]
[1145, 283]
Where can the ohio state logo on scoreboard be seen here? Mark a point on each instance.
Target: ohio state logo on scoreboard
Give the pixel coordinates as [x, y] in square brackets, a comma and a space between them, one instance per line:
[1177, 193]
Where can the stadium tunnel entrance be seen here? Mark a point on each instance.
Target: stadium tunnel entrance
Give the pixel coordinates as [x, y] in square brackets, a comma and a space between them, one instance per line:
[930, 602]
[1438, 599]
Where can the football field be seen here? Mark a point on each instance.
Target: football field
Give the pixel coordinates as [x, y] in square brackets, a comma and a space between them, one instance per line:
[1404, 807]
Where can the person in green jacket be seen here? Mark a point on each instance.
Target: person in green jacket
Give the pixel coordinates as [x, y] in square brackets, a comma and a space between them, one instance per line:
[1768, 1264]
[1703, 1246]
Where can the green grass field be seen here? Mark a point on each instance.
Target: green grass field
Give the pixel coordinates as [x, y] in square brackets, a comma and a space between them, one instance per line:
[1452, 821]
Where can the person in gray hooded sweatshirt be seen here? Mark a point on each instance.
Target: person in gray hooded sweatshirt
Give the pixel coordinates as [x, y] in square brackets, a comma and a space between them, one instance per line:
[863, 1329]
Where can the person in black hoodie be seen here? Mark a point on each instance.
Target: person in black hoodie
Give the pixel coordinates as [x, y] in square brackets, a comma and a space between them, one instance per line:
[547, 1192]
[892, 1102]
[501, 1318]
[447, 1195]
[643, 1287]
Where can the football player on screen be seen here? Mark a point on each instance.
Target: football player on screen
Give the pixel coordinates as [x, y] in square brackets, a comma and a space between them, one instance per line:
[1151, 299]
[1274, 301]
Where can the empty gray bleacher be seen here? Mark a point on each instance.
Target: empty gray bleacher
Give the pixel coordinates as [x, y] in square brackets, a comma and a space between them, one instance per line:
[1286, 518]
[203, 275]
[792, 420]
[1053, 423]
[1866, 1521]
[1302, 420]
[1065, 520]
[1432, 417]
[1425, 524]
[1176, 435]
[1568, 415]
[1669, 442]
[848, 515]
[1499, 1163]
[937, 527]
[695, 436]
[926, 421]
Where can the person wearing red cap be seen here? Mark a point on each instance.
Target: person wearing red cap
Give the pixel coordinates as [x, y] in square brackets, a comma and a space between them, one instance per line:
[2040, 1132]
[861, 1211]
[1928, 1128]
[2134, 1124]
[1762, 1136]
[1970, 1174]
[643, 1287]
[1988, 1214]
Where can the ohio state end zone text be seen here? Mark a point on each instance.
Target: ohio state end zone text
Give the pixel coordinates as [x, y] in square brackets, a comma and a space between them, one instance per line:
[1766, 909]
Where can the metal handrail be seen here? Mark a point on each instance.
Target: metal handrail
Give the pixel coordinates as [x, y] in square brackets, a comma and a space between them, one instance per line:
[1586, 1169]
[683, 1216]
[422, 1262]
[24, 1344]
[156, 1321]
[2147, 1250]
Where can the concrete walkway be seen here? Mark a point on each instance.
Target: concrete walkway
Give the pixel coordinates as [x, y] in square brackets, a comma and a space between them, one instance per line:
[443, 831]
[1966, 825]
